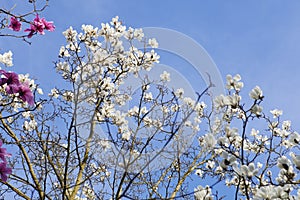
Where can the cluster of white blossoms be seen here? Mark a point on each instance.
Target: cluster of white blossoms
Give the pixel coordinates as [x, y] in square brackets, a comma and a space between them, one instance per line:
[6, 59]
[260, 164]
[97, 62]
[110, 57]
[203, 193]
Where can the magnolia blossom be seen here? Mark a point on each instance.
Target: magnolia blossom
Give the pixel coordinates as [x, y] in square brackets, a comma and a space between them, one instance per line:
[38, 26]
[276, 113]
[220, 102]
[256, 93]
[126, 135]
[247, 170]
[14, 25]
[25, 94]
[199, 172]
[228, 160]
[70, 34]
[202, 193]
[11, 79]
[179, 92]
[266, 192]
[4, 171]
[294, 139]
[286, 125]
[3, 152]
[13, 86]
[295, 159]
[208, 140]
[234, 82]
[165, 76]
[6, 58]
[54, 93]
[153, 43]
[284, 163]
[232, 101]
[273, 192]
[256, 109]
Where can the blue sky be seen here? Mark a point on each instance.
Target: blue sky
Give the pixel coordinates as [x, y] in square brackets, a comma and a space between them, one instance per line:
[258, 39]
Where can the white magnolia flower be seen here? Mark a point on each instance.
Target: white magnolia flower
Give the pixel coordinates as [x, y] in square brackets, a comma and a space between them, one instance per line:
[153, 43]
[89, 30]
[284, 163]
[10, 119]
[26, 115]
[199, 172]
[126, 135]
[265, 192]
[295, 159]
[254, 132]
[234, 82]
[63, 52]
[39, 90]
[165, 77]
[276, 113]
[233, 101]
[256, 109]
[6, 58]
[220, 101]
[179, 92]
[189, 102]
[115, 21]
[247, 170]
[200, 107]
[256, 93]
[210, 164]
[294, 139]
[138, 34]
[286, 125]
[88, 192]
[148, 96]
[209, 141]
[63, 67]
[30, 125]
[68, 96]
[228, 160]
[272, 192]
[54, 93]
[202, 193]
[70, 34]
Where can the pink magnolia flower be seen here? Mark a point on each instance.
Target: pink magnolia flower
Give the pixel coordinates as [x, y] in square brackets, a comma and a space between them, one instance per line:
[11, 79]
[48, 25]
[25, 94]
[15, 87]
[38, 26]
[15, 25]
[3, 152]
[31, 31]
[4, 171]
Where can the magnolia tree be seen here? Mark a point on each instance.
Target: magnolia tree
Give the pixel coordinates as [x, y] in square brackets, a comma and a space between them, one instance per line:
[100, 137]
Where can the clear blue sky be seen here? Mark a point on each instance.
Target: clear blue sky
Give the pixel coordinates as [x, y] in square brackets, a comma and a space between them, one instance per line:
[258, 39]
